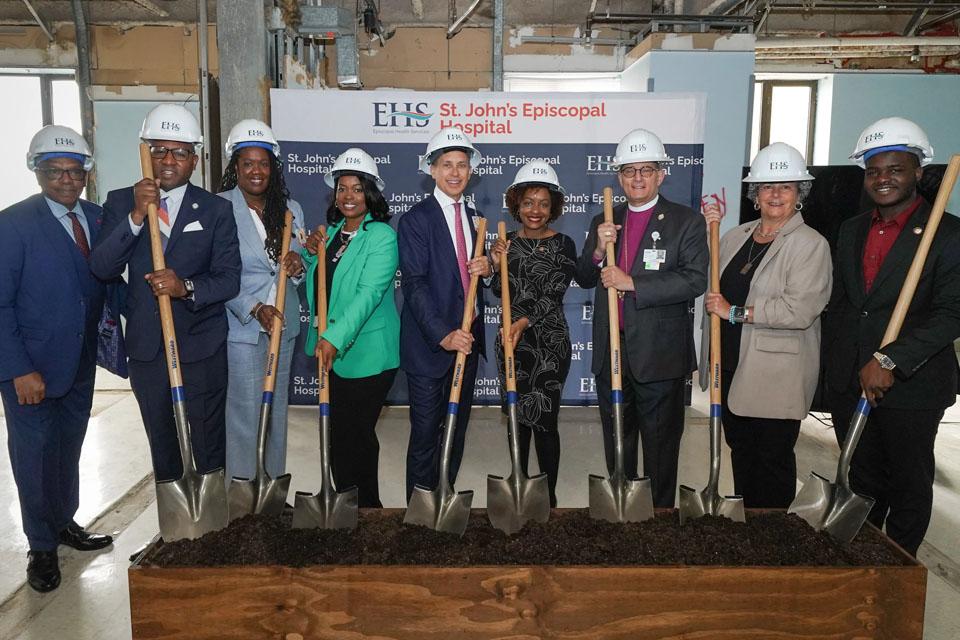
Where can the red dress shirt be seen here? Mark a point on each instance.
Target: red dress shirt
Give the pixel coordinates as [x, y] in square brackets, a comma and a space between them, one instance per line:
[880, 238]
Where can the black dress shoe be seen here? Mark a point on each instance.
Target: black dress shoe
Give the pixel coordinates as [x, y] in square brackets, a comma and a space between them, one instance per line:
[43, 570]
[74, 536]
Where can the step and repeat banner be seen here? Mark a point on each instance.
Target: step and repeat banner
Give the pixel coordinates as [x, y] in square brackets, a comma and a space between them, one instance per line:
[576, 133]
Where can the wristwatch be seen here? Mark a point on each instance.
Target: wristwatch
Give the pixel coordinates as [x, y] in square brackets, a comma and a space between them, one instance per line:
[884, 360]
[188, 285]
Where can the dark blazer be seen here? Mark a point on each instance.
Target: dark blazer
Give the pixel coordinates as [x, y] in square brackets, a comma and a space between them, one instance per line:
[209, 256]
[432, 293]
[854, 321]
[658, 327]
[50, 302]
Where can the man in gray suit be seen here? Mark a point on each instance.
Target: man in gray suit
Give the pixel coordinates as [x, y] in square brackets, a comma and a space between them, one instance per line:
[662, 261]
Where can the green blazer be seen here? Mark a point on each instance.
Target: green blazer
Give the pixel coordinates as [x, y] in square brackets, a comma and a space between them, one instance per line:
[362, 319]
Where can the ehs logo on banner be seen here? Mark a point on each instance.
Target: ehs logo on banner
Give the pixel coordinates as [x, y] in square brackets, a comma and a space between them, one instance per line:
[576, 134]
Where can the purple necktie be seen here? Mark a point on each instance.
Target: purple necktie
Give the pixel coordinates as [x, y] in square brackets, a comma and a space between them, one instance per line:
[461, 249]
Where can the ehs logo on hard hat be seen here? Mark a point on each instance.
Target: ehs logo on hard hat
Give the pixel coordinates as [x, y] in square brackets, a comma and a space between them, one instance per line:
[352, 160]
[169, 126]
[539, 171]
[637, 147]
[873, 137]
[779, 166]
[254, 133]
[66, 142]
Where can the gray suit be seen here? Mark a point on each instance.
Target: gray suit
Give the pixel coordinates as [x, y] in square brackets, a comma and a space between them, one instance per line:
[657, 336]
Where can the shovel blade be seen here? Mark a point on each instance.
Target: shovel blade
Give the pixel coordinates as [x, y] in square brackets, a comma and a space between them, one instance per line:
[241, 497]
[338, 511]
[511, 504]
[829, 507]
[192, 506]
[620, 500]
[265, 495]
[696, 504]
[428, 509]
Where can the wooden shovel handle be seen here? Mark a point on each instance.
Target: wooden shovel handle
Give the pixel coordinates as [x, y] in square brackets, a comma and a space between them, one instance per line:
[613, 308]
[276, 332]
[509, 370]
[913, 275]
[163, 300]
[714, 319]
[468, 308]
[324, 395]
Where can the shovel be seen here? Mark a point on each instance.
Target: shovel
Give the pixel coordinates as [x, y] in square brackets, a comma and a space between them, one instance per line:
[196, 503]
[516, 499]
[693, 503]
[263, 494]
[617, 498]
[328, 508]
[835, 508]
[444, 509]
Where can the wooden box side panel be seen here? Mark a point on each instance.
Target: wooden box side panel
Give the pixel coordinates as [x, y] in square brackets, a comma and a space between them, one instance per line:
[522, 603]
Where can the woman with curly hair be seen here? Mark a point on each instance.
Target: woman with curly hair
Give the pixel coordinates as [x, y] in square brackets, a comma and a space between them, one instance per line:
[361, 344]
[253, 182]
[540, 264]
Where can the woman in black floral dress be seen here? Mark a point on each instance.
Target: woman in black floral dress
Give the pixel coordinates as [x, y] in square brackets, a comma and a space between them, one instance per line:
[540, 263]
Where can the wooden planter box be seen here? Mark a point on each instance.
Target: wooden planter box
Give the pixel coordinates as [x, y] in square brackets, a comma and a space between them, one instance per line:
[356, 602]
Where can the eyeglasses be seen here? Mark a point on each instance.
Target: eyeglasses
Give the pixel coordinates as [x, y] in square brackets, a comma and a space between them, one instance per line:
[179, 154]
[646, 172]
[53, 174]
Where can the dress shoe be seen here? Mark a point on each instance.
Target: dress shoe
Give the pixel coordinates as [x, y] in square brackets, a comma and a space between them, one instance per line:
[43, 570]
[74, 536]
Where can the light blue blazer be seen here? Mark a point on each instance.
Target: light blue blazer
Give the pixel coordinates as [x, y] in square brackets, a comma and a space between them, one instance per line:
[258, 275]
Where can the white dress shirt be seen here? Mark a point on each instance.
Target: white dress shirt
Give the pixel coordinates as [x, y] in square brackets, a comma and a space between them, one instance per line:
[174, 200]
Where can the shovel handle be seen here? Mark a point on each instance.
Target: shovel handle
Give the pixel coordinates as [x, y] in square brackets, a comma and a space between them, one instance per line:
[613, 308]
[509, 371]
[468, 308]
[163, 300]
[714, 319]
[324, 395]
[276, 332]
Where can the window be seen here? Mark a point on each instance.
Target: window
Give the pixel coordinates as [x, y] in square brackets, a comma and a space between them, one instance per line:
[784, 111]
[34, 99]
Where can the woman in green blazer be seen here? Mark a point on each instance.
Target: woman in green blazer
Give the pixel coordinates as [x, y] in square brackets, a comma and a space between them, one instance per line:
[361, 345]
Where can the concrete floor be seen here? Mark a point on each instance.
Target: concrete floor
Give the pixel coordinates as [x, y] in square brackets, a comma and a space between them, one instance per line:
[92, 602]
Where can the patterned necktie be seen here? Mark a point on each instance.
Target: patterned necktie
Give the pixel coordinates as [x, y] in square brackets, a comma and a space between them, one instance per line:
[461, 249]
[79, 236]
[163, 216]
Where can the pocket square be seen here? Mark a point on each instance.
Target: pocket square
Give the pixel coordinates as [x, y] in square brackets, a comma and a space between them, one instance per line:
[193, 226]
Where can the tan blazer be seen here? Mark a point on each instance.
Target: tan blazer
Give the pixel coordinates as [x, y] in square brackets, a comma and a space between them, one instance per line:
[776, 376]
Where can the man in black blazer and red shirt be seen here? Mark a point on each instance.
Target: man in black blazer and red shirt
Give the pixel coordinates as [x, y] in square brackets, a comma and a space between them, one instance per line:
[662, 260]
[911, 381]
[202, 255]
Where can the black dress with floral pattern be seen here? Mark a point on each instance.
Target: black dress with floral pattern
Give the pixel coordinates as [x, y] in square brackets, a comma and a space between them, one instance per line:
[540, 273]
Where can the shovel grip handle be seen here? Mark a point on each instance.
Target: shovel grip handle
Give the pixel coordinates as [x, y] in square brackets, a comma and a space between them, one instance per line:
[509, 369]
[163, 300]
[457, 386]
[276, 331]
[714, 319]
[613, 308]
[324, 391]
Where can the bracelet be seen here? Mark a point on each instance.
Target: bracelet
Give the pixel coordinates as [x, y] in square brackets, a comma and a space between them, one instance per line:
[732, 315]
[256, 310]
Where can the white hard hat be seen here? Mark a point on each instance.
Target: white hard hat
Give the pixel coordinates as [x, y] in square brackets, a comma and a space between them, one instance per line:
[171, 122]
[538, 172]
[639, 145]
[55, 141]
[251, 133]
[892, 134]
[449, 138]
[778, 162]
[354, 160]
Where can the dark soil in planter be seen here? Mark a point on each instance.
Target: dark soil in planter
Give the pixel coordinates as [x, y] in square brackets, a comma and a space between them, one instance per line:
[571, 537]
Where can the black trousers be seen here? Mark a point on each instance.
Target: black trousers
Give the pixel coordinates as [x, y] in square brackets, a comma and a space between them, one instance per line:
[548, 454]
[761, 451]
[355, 405]
[205, 390]
[653, 412]
[894, 464]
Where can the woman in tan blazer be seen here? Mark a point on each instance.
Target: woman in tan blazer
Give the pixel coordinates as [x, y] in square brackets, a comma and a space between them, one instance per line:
[775, 280]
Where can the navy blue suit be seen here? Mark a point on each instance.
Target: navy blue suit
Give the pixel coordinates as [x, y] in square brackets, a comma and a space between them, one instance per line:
[203, 247]
[433, 302]
[50, 306]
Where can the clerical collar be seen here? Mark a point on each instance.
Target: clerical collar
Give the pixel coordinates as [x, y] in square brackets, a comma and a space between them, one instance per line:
[644, 208]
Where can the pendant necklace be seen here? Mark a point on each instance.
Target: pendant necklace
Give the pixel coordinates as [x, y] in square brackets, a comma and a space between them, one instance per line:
[751, 258]
[345, 238]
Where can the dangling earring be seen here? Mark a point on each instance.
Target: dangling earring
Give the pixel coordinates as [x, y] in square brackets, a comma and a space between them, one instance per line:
[756, 206]
[798, 206]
